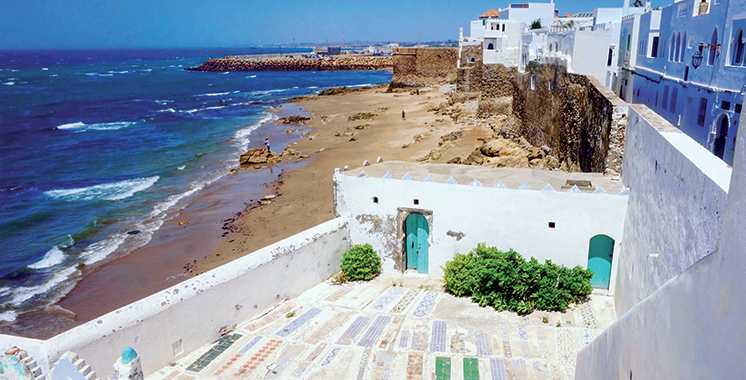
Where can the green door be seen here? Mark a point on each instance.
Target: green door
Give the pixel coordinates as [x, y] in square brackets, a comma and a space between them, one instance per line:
[600, 252]
[416, 231]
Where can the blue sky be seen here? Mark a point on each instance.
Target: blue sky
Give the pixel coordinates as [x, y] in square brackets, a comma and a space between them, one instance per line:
[229, 23]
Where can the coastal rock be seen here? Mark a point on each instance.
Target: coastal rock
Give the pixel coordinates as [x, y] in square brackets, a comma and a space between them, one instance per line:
[248, 63]
[293, 119]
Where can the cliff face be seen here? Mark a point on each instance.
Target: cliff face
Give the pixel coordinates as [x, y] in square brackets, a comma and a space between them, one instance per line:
[352, 62]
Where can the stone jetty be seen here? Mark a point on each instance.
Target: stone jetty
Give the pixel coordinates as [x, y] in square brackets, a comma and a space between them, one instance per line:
[351, 62]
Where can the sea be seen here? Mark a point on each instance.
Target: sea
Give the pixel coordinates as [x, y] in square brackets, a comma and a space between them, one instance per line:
[98, 148]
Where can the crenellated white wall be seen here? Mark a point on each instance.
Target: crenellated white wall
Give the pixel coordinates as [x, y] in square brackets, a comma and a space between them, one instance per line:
[676, 202]
[691, 327]
[196, 311]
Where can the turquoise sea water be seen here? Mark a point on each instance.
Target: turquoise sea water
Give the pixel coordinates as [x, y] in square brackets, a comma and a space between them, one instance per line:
[95, 144]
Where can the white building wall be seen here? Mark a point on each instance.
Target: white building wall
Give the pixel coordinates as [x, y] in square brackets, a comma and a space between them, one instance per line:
[505, 218]
[676, 202]
[193, 313]
[528, 12]
[692, 327]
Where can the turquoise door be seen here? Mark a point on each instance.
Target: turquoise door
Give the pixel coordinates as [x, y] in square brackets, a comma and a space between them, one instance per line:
[416, 231]
[600, 252]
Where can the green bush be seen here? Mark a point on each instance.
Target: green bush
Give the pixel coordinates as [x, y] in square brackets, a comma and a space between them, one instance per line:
[361, 262]
[506, 281]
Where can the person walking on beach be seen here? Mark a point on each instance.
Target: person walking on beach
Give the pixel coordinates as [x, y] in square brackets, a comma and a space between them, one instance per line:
[403, 115]
[266, 145]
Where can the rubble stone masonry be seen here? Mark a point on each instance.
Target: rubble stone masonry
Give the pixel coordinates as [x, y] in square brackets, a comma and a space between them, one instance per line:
[415, 67]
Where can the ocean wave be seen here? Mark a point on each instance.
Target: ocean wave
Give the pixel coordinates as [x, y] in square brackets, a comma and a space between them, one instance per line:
[266, 92]
[215, 94]
[8, 316]
[102, 249]
[106, 191]
[163, 102]
[118, 72]
[44, 68]
[25, 293]
[181, 167]
[80, 126]
[243, 135]
[251, 76]
[53, 257]
[167, 110]
[9, 83]
[361, 85]
[204, 109]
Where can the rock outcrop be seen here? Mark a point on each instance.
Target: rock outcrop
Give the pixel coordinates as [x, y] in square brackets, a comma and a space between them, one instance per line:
[257, 157]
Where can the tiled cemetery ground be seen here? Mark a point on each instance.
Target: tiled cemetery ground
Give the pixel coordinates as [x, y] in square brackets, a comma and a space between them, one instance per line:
[379, 331]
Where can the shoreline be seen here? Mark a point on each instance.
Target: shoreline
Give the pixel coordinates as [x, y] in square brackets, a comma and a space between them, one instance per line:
[333, 138]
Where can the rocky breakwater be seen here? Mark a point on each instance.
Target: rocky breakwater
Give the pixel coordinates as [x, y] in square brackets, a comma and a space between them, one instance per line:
[344, 62]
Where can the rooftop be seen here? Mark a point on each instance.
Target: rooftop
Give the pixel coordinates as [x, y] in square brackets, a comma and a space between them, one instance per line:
[375, 330]
[491, 14]
[512, 178]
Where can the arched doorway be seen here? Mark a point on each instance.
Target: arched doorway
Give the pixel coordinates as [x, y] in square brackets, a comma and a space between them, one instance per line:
[416, 231]
[719, 147]
[600, 252]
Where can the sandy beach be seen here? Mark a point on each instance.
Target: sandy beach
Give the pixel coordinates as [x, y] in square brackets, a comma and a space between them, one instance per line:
[225, 221]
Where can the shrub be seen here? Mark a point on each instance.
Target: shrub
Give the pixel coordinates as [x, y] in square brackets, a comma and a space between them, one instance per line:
[361, 262]
[506, 281]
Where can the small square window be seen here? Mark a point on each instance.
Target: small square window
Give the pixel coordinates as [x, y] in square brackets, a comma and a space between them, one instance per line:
[416, 201]
[375, 199]
[551, 224]
[725, 105]
[738, 108]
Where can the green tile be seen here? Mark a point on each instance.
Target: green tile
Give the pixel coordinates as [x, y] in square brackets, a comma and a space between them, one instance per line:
[442, 368]
[471, 369]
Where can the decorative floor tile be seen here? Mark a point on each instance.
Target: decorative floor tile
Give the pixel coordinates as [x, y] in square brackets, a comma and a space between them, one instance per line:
[271, 317]
[387, 298]
[414, 366]
[442, 368]
[328, 327]
[286, 361]
[419, 338]
[238, 355]
[586, 337]
[355, 328]
[298, 322]
[565, 347]
[328, 359]
[426, 304]
[363, 363]
[506, 343]
[471, 369]
[382, 366]
[309, 360]
[438, 342]
[588, 316]
[221, 345]
[523, 334]
[404, 302]
[258, 357]
[375, 329]
[543, 350]
[458, 343]
[338, 294]
[484, 347]
[519, 368]
[498, 369]
[404, 340]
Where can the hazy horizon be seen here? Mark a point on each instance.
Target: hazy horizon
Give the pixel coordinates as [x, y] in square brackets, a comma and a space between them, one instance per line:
[135, 24]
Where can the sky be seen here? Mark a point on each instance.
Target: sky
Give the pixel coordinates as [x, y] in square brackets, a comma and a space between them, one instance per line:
[81, 24]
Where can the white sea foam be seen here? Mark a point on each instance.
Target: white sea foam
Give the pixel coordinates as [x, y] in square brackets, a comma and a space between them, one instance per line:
[9, 83]
[102, 249]
[25, 293]
[181, 167]
[167, 110]
[8, 316]
[266, 92]
[53, 257]
[214, 94]
[45, 68]
[251, 76]
[163, 102]
[80, 126]
[106, 191]
[204, 109]
[243, 136]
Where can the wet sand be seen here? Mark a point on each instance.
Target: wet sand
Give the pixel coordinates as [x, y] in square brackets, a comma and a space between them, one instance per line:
[225, 221]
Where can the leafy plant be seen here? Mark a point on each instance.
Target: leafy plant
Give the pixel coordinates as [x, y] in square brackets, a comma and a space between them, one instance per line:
[290, 314]
[506, 281]
[361, 262]
[536, 24]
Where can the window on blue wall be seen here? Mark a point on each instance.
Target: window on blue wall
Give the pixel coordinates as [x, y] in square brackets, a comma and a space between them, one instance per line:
[674, 94]
[629, 41]
[737, 46]
[664, 104]
[678, 48]
[673, 44]
[654, 52]
[683, 48]
[713, 48]
[702, 112]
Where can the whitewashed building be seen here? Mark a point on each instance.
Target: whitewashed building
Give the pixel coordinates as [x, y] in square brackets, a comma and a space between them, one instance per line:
[686, 62]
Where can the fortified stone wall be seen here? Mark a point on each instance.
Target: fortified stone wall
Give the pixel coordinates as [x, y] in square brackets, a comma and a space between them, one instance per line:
[415, 67]
[581, 122]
